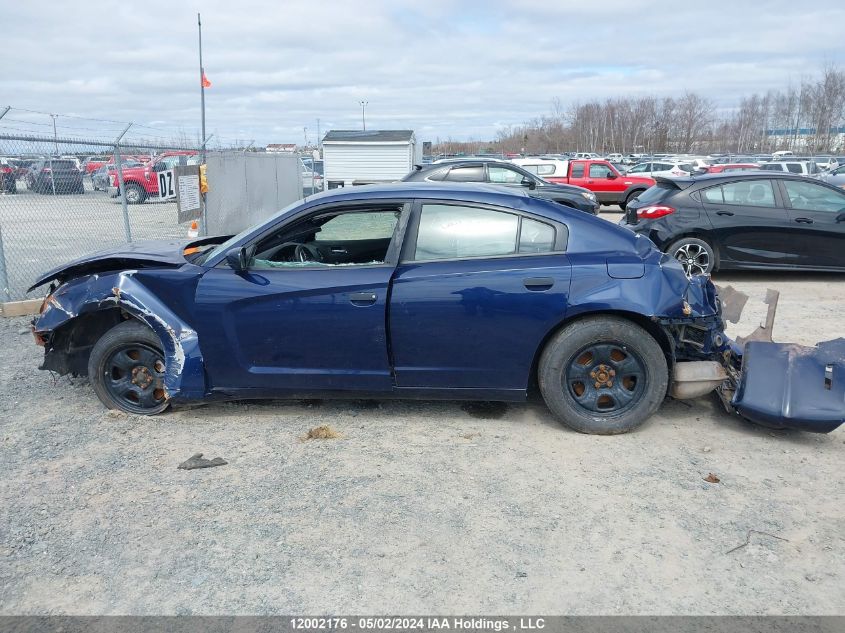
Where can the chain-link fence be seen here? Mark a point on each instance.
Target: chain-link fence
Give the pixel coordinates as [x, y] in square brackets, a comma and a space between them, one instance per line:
[62, 198]
[71, 185]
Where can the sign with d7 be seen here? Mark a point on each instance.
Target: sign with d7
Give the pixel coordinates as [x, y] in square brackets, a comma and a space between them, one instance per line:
[166, 185]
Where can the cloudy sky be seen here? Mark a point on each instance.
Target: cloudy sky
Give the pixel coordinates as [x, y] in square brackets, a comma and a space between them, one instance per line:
[459, 69]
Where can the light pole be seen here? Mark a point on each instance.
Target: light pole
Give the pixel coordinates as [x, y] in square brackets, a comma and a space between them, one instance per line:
[305, 134]
[363, 117]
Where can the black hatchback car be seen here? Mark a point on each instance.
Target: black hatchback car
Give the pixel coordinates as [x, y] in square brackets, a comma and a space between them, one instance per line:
[751, 220]
[498, 172]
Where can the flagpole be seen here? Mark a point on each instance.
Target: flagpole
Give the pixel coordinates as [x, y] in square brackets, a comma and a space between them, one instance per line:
[202, 87]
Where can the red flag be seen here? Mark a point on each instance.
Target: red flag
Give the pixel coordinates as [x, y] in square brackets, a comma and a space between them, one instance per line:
[205, 82]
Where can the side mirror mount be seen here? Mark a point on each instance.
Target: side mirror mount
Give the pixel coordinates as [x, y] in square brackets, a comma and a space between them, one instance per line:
[238, 257]
[611, 175]
[528, 182]
[841, 217]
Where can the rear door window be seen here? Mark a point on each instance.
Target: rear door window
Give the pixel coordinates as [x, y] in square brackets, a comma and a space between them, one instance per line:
[453, 231]
[577, 171]
[754, 193]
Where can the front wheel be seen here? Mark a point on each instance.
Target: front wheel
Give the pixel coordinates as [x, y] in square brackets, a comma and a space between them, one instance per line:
[603, 375]
[696, 256]
[135, 194]
[126, 369]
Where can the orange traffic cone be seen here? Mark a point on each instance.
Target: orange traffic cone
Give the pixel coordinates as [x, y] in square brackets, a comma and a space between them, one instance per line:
[194, 231]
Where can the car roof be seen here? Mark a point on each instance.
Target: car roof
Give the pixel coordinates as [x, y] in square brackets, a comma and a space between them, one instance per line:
[683, 182]
[471, 192]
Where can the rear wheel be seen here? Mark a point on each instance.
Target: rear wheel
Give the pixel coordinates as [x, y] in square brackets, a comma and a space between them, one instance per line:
[126, 369]
[135, 194]
[603, 375]
[696, 256]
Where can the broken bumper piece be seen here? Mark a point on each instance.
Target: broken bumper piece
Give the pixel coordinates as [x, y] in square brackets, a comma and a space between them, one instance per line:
[783, 385]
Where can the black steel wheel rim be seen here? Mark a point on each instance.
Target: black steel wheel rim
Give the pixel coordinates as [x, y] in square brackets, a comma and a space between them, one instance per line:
[605, 378]
[133, 375]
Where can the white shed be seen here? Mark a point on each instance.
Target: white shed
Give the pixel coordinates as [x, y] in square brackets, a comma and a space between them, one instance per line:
[355, 157]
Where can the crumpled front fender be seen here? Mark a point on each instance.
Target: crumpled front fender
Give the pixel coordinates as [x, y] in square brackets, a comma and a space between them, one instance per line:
[184, 375]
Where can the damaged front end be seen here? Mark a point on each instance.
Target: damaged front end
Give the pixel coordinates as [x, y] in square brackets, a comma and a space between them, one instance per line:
[75, 314]
[778, 385]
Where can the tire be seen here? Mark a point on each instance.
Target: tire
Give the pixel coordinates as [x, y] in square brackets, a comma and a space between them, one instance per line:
[696, 256]
[126, 369]
[614, 353]
[135, 194]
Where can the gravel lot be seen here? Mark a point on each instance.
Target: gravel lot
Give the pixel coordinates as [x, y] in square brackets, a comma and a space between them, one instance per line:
[418, 507]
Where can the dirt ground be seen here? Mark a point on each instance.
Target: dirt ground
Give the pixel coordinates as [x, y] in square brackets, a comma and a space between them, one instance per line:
[419, 507]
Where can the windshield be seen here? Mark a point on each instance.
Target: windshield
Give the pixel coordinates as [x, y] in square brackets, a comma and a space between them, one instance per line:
[225, 246]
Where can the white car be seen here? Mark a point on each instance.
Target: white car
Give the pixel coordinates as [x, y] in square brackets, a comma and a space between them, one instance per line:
[587, 156]
[661, 168]
[615, 158]
[803, 167]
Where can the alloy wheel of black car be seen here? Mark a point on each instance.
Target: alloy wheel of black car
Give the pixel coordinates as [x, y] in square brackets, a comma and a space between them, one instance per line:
[695, 256]
[603, 375]
[127, 368]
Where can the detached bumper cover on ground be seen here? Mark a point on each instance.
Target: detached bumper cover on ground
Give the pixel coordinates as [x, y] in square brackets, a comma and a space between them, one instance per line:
[792, 386]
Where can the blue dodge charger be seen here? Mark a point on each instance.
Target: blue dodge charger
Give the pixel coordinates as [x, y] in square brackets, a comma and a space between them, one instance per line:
[428, 291]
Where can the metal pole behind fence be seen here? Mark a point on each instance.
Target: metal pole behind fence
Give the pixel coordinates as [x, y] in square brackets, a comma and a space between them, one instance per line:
[122, 193]
[118, 166]
[4, 279]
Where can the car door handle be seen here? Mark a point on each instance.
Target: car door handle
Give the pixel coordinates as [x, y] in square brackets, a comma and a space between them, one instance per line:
[338, 250]
[363, 298]
[538, 283]
[724, 212]
[804, 220]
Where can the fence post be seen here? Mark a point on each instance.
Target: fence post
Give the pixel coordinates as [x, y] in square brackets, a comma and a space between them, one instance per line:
[4, 278]
[118, 166]
[203, 213]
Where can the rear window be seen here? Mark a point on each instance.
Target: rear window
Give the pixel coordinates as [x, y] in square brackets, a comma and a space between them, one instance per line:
[657, 193]
[540, 170]
[466, 174]
[61, 164]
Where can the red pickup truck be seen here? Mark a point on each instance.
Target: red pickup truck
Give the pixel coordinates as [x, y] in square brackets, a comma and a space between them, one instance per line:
[142, 182]
[610, 187]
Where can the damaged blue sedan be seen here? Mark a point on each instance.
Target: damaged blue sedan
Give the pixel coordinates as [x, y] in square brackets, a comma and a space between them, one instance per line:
[426, 291]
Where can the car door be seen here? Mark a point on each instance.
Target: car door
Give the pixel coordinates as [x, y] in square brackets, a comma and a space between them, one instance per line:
[817, 214]
[292, 324]
[605, 181]
[477, 290]
[750, 225]
[506, 176]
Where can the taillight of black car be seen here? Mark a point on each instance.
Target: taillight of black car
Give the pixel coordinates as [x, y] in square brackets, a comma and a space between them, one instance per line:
[654, 211]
